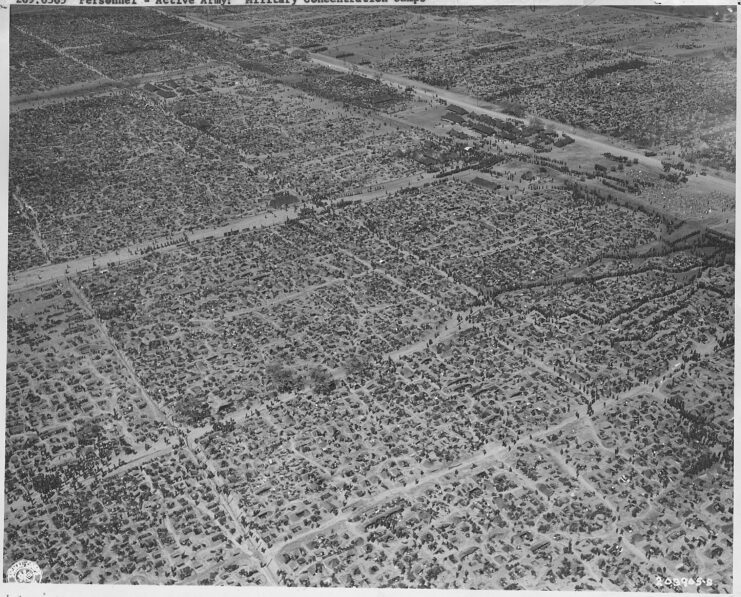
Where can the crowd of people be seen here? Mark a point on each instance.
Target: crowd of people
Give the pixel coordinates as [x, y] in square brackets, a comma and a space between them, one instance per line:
[37, 66]
[335, 289]
[75, 421]
[469, 380]
[321, 25]
[115, 146]
[615, 94]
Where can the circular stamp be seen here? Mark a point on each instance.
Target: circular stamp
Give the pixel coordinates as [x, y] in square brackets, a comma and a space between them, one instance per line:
[25, 571]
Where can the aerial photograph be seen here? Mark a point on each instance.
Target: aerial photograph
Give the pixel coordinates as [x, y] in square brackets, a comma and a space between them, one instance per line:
[386, 296]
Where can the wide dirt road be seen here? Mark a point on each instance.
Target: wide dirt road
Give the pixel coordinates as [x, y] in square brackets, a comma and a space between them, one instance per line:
[596, 143]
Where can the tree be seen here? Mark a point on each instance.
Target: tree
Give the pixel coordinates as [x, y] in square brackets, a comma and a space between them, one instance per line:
[321, 380]
[513, 109]
[284, 379]
[358, 365]
[536, 123]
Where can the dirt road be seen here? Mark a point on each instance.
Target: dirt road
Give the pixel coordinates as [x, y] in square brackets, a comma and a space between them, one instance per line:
[596, 143]
[40, 275]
